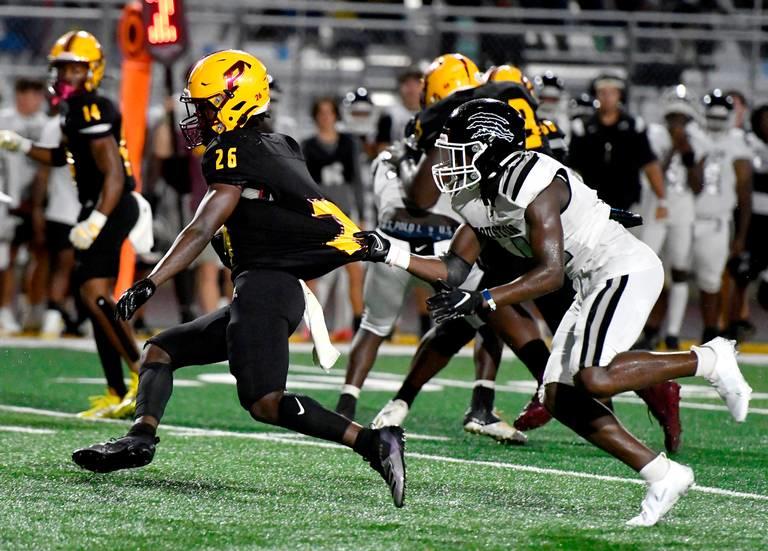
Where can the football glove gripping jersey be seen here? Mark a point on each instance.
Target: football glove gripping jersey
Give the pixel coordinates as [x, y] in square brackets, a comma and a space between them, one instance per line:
[132, 299]
[455, 303]
[376, 247]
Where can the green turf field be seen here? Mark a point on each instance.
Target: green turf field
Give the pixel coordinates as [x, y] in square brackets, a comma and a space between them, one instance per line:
[219, 480]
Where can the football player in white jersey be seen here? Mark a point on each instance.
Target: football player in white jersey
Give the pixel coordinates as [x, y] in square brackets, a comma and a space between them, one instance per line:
[534, 206]
[727, 184]
[681, 145]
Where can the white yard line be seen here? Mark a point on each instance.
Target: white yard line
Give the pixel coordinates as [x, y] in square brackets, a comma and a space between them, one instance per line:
[289, 439]
[27, 430]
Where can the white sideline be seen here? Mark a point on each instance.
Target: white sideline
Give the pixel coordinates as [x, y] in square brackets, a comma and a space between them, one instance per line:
[27, 430]
[289, 439]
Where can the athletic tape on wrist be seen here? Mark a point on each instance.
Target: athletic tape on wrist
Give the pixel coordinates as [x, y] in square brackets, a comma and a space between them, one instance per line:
[398, 257]
[98, 219]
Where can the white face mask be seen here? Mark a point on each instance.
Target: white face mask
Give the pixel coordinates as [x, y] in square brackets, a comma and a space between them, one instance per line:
[456, 170]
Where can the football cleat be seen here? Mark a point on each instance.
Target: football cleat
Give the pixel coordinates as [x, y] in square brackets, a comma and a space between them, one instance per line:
[533, 416]
[672, 342]
[663, 402]
[101, 406]
[127, 452]
[127, 406]
[53, 324]
[391, 415]
[727, 378]
[663, 495]
[487, 423]
[389, 461]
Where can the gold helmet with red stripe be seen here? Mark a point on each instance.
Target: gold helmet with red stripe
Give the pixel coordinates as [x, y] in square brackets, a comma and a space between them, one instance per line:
[76, 47]
[225, 89]
[447, 74]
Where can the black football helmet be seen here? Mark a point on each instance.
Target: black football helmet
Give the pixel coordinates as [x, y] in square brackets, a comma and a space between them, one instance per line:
[549, 86]
[478, 139]
[718, 108]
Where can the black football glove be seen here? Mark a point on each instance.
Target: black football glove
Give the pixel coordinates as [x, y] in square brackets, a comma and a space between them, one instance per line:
[134, 298]
[219, 245]
[375, 246]
[453, 304]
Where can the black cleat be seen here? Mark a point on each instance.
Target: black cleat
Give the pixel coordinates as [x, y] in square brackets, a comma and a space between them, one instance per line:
[127, 452]
[389, 461]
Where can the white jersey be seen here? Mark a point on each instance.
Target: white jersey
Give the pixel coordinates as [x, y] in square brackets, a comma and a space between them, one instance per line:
[590, 237]
[63, 205]
[17, 171]
[718, 196]
[679, 196]
[759, 175]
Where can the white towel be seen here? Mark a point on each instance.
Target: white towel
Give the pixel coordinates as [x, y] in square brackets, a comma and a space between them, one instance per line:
[324, 353]
[141, 235]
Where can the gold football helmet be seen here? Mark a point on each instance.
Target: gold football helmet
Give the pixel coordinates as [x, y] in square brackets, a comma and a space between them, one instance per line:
[76, 47]
[225, 89]
[508, 73]
[447, 74]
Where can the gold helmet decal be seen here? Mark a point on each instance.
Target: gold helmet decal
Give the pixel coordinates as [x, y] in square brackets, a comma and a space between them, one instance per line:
[76, 47]
[233, 84]
[447, 74]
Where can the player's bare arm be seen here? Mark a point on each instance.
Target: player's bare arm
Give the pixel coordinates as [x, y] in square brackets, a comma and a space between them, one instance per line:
[546, 237]
[107, 157]
[216, 207]
[655, 177]
[743, 170]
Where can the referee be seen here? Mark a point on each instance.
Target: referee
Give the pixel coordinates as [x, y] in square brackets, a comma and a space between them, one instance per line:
[611, 148]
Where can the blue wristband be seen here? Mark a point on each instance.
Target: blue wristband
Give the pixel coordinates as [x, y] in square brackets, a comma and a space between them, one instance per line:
[489, 299]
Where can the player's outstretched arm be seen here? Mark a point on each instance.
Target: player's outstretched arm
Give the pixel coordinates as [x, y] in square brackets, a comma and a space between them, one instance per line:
[546, 237]
[13, 142]
[214, 210]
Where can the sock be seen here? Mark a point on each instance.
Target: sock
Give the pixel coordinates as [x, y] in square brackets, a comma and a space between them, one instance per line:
[425, 324]
[365, 442]
[678, 300]
[710, 333]
[483, 395]
[142, 430]
[407, 393]
[656, 469]
[347, 403]
[155, 387]
[302, 414]
[111, 362]
[535, 356]
[705, 366]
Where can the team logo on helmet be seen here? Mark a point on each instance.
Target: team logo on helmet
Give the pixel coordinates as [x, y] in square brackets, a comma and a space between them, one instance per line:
[490, 125]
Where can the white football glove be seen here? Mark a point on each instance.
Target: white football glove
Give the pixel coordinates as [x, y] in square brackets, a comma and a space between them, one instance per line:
[11, 141]
[85, 233]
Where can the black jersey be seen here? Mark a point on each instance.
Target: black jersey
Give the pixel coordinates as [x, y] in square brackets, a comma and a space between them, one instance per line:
[283, 221]
[87, 117]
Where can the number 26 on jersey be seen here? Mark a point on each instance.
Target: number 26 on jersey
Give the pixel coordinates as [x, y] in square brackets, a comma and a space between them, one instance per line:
[231, 158]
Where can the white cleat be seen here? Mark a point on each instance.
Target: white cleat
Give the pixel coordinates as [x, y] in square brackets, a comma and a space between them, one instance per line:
[8, 323]
[490, 424]
[727, 378]
[53, 325]
[663, 495]
[391, 415]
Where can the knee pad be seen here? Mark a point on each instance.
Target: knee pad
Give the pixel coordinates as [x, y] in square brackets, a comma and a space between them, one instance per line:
[450, 336]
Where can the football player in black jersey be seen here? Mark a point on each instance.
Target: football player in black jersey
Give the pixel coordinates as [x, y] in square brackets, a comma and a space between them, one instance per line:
[275, 227]
[94, 149]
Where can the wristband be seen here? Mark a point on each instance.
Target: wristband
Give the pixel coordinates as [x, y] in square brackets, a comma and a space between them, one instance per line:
[398, 257]
[25, 145]
[489, 299]
[97, 219]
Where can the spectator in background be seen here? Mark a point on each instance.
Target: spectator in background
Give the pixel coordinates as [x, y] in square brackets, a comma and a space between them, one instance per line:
[740, 109]
[611, 148]
[55, 207]
[333, 160]
[26, 118]
[391, 125]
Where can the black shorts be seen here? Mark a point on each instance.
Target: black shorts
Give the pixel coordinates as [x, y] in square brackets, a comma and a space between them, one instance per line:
[252, 333]
[57, 236]
[23, 232]
[758, 252]
[102, 259]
